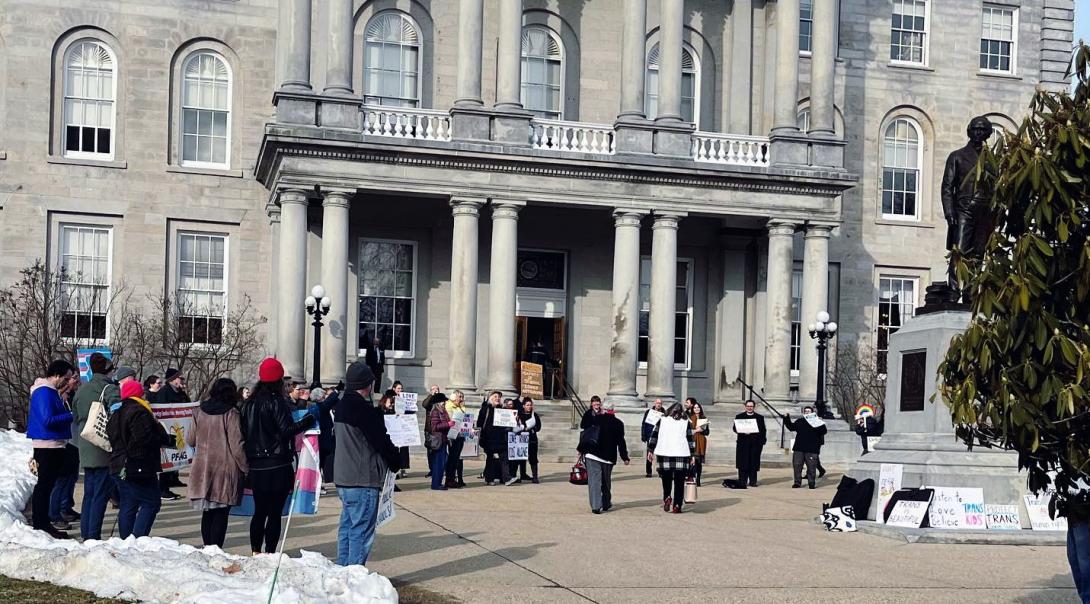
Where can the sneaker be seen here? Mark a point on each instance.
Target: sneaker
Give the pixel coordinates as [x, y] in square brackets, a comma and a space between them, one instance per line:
[666, 504]
[596, 511]
[796, 486]
[60, 525]
[511, 481]
[169, 496]
[57, 534]
[676, 509]
[606, 508]
[324, 491]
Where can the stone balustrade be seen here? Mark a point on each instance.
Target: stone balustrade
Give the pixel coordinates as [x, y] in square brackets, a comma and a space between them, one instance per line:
[575, 137]
[730, 149]
[418, 124]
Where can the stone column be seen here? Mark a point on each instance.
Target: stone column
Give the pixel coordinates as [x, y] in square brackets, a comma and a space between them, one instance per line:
[273, 211]
[338, 75]
[787, 66]
[509, 61]
[297, 31]
[463, 294]
[470, 32]
[815, 298]
[823, 68]
[625, 317]
[634, 61]
[740, 96]
[501, 297]
[660, 343]
[673, 19]
[292, 283]
[335, 281]
[778, 292]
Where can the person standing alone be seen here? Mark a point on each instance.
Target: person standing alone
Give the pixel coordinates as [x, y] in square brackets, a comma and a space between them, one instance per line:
[747, 456]
[375, 358]
[807, 448]
[602, 456]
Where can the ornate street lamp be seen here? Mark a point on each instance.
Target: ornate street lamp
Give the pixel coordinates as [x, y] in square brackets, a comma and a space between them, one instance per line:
[317, 306]
[822, 331]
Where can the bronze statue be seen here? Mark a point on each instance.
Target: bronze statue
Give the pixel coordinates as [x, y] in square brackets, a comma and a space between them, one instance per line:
[964, 204]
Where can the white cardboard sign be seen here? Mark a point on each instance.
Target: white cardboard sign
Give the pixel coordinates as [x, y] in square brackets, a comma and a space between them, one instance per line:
[908, 514]
[1003, 517]
[889, 482]
[1037, 508]
[957, 508]
[505, 418]
[745, 426]
[403, 430]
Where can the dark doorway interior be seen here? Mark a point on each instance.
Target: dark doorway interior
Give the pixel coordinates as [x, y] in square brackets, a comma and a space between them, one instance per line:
[542, 341]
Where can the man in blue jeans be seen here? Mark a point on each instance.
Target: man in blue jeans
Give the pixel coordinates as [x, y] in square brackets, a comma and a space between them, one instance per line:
[364, 455]
[97, 482]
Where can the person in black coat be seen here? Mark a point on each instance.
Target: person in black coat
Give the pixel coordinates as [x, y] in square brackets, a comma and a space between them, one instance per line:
[866, 426]
[807, 448]
[646, 429]
[530, 422]
[589, 414]
[602, 456]
[136, 438]
[747, 456]
[494, 442]
[375, 359]
[172, 392]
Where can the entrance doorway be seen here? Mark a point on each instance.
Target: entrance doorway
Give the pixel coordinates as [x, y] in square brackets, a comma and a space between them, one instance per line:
[542, 341]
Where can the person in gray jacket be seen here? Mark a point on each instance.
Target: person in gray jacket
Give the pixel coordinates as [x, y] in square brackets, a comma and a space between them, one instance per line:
[97, 483]
[364, 456]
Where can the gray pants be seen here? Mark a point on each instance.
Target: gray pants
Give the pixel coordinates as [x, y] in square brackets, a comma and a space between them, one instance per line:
[599, 476]
[811, 461]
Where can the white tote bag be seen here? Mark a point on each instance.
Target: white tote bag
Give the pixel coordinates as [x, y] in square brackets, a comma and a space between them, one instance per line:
[94, 431]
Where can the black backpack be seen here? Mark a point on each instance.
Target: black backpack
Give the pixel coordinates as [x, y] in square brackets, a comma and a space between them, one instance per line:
[588, 439]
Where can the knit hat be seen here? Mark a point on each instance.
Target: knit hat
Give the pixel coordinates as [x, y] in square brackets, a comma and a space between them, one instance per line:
[358, 376]
[123, 372]
[98, 363]
[131, 389]
[170, 374]
[270, 370]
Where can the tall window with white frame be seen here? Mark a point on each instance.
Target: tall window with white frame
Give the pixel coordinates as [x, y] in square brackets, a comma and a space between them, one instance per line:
[206, 111]
[806, 25]
[901, 170]
[690, 84]
[802, 119]
[683, 309]
[200, 297]
[391, 61]
[998, 38]
[896, 304]
[90, 89]
[387, 294]
[85, 263]
[796, 320]
[908, 32]
[542, 73]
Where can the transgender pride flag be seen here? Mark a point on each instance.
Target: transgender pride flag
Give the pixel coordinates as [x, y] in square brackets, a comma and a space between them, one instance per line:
[308, 475]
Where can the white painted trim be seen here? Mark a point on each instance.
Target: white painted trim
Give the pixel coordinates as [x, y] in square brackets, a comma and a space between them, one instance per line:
[419, 60]
[920, 177]
[1013, 71]
[59, 260]
[563, 66]
[114, 139]
[926, 39]
[182, 161]
[390, 354]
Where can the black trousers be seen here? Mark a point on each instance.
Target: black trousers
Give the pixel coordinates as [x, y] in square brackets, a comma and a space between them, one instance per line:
[454, 460]
[265, 525]
[533, 462]
[50, 466]
[747, 477]
[214, 526]
[673, 485]
[698, 469]
[496, 466]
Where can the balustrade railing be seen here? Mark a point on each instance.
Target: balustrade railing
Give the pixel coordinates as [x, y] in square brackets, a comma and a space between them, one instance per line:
[730, 149]
[418, 124]
[575, 137]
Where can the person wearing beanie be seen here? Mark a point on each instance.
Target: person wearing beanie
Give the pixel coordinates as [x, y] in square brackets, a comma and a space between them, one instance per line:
[136, 440]
[364, 455]
[268, 431]
[172, 392]
[97, 482]
[49, 427]
[602, 456]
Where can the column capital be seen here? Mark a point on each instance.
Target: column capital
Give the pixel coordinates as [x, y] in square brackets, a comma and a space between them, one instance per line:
[290, 196]
[273, 212]
[467, 206]
[337, 198]
[502, 210]
[819, 230]
[667, 220]
[782, 228]
[627, 217]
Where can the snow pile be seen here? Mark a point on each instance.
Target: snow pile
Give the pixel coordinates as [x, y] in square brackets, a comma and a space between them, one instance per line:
[153, 569]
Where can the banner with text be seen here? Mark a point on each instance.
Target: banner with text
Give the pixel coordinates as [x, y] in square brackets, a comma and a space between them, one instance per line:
[177, 419]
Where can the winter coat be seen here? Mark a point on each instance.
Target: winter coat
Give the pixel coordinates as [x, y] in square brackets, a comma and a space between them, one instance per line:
[219, 464]
[610, 438]
[436, 427]
[588, 419]
[49, 417]
[100, 389]
[269, 430]
[136, 438]
[747, 454]
[493, 438]
[645, 428]
[808, 439]
[375, 359]
[524, 419]
[700, 435]
[325, 422]
[167, 395]
[364, 451]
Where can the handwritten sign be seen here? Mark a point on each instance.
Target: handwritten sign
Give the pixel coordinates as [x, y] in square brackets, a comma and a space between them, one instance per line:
[814, 420]
[177, 419]
[872, 442]
[745, 426]
[518, 446]
[403, 430]
[1037, 508]
[1003, 517]
[505, 418]
[405, 403]
[653, 417]
[889, 482]
[386, 510]
[531, 382]
[908, 514]
[957, 508]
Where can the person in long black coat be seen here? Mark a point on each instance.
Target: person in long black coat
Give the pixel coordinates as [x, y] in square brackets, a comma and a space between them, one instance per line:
[747, 457]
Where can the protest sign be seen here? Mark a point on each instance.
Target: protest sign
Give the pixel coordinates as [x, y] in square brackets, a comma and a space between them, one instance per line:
[505, 418]
[908, 514]
[82, 354]
[813, 420]
[404, 430]
[406, 401]
[386, 511]
[872, 442]
[889, 482]
[1003, 517]
[957, 508]
[177, 419]
[745, 426]
[518, 446]
[531, 383]
[471, 448]
[1037, 508]
[653, 417]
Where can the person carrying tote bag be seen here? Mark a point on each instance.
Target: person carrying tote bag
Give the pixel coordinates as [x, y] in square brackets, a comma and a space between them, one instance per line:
[94, 429]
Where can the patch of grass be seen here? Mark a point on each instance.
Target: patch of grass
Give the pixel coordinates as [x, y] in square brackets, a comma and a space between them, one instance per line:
[35, 592]
[410, 594]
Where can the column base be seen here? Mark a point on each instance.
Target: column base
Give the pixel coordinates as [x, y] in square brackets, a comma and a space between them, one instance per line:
[511, 126]
[634, 135]
[672, 139]
[789, 147]
[668, 398]
[470, 123]
[340, 112]
[296, 108]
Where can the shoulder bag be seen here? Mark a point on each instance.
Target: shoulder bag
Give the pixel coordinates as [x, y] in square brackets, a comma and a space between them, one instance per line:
[94, 431]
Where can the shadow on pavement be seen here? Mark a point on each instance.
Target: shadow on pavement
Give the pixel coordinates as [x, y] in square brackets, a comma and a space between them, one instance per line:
[479, 562]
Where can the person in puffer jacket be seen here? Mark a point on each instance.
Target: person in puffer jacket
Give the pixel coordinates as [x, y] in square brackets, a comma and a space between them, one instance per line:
[136, 440]
[49, 427]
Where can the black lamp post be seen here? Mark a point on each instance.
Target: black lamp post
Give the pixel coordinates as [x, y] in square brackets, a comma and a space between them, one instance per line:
[822, 331]
[317, 306]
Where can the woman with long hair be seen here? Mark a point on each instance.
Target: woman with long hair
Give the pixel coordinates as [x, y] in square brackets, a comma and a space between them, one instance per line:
[672, 446]
[699, 422]
[532, 422]
[396, 391]
[269, 431]
[215, 482]
[456, 409]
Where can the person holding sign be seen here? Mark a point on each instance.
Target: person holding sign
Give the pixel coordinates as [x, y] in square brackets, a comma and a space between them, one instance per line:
[700, 436]
[531, 423]
[750, 428]
[673, 447]
[494, 442]
[436, 428]
[456, 409]
[396, 391]
[810, 433]
[135, 441]
[651, 419]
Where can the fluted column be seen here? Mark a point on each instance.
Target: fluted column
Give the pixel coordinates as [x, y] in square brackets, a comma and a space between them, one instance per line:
[623, 357]
[661, 323]
[778, 320]
[463, 293]
[295, 27]
[634, 60]
[501, 297]
[338, 74]
[815, 298]
[739, 96]
[509, 61]
[673, 19]
[470, 32]
[335, 281]
[787, 66]
[273, 211]
[291, 287]
[823, 67]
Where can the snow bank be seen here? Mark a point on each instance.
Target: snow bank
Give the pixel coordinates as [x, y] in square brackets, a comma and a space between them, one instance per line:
[153, 569]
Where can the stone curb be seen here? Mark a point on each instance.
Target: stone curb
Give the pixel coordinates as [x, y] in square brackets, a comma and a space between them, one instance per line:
[946, 536]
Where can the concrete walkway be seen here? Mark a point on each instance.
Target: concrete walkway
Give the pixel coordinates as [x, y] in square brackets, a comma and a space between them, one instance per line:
[540, 543]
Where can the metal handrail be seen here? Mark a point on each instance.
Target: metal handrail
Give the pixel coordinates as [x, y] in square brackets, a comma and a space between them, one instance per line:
[578, 407]
[754, 395]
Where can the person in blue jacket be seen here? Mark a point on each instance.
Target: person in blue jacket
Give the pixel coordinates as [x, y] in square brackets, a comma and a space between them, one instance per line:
[49, 426]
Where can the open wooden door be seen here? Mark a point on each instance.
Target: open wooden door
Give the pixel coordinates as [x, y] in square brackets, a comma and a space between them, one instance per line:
[521, 346]
[559, 351]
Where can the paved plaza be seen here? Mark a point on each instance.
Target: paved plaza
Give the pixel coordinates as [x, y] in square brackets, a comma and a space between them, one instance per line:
[540, 543]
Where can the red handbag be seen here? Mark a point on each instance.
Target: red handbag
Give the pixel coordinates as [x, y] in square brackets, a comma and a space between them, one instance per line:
[578, 473]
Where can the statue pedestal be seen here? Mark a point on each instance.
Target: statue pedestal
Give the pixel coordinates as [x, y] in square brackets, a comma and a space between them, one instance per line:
[919, 434]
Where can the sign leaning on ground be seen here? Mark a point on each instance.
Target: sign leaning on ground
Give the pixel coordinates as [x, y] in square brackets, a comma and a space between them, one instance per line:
[957, 508]
[908, 514]
[1003, 517]
[1037, 509]
[889, 482]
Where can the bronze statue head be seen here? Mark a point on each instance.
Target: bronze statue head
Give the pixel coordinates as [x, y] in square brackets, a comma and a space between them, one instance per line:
[979, 129]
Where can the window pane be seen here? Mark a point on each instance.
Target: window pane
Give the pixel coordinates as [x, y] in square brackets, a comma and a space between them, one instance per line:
[219, 123]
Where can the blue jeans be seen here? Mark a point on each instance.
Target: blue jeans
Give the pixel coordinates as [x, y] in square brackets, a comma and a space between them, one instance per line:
[437, 459]
[140, 503]
[97, 486]
[62, 498]
[356, 533]
[1078, 556]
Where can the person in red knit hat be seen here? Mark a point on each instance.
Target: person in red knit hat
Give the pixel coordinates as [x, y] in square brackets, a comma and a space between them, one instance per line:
[136, 438]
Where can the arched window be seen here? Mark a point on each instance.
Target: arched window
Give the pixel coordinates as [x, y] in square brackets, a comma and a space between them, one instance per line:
[90, 89]
[690, 83]
[391, 61]
[206, 110]
[802, 120]
[542, 73]
[901, 161]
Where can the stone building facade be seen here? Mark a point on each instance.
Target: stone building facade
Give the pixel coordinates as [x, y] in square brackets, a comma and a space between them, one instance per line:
[656, 194]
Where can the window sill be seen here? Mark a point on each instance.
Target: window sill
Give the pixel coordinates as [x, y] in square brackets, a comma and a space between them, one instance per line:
[908, 223]
[1002, 75]
[910, 66]
[205, 171]
[404, 362]
[95, 163]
